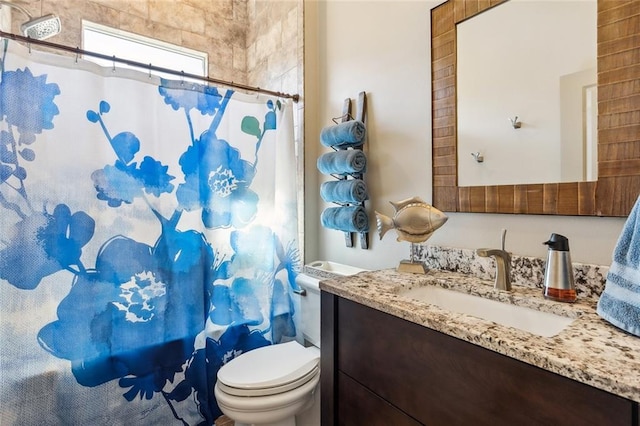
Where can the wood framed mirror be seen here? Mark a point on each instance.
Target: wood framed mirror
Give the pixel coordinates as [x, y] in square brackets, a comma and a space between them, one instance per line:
[618, 184]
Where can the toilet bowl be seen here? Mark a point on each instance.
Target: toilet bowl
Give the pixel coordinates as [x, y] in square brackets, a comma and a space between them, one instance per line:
[269, 386]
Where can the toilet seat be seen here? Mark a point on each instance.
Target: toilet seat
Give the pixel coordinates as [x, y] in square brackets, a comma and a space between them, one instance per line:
[269, 390]
[269, 370]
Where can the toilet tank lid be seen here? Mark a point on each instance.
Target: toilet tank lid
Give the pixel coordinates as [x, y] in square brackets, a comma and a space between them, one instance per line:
[308, 282]
[269, 366]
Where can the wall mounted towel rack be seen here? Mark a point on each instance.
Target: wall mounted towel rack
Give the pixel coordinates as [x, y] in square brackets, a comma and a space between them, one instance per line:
[361, 109]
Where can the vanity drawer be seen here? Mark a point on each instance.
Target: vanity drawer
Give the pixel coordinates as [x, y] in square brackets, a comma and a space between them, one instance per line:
[441, 380]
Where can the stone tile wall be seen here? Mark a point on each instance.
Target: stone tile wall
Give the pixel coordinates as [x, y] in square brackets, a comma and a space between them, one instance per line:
[274, 49]
[275, 60]
[254, 42]
[248, 41]
[195, 24]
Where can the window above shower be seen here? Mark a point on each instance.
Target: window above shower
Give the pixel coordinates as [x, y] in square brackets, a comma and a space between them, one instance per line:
[125, 45]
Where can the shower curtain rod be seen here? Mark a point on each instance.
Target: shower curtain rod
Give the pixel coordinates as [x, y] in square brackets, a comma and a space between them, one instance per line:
[149, 67]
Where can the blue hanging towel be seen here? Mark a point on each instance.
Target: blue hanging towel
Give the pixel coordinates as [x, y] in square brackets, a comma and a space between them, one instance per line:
[344, 191]
[343, 135]
[342, 162]
[347, 219]
[620, 302]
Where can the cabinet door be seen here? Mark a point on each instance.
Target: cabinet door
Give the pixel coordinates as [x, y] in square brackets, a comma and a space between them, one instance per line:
[358, 406]
[441, 380]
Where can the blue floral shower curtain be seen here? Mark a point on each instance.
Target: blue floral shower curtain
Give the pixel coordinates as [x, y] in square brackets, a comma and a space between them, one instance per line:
[147, 236]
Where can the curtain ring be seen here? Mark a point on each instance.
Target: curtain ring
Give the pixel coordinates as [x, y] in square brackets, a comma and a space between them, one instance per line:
[29, 47]
[114, 64]
[182, 78]
[149, 69]
[77, 53]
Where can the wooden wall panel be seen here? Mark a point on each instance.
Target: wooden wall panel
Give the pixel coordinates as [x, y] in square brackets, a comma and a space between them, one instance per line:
[528, 199]
[550, 199]
[617, 134]
[506, 197]
[618, 107]
[622, 119]
[447, 197]
[619, 168]
[586, 198]
[613, 192]
[492, 200]
[618, 123]
[443, 54]
[567, 203]
[465, 9]
[611, 152]
[477, 199]
[463, 200]
[441, 20]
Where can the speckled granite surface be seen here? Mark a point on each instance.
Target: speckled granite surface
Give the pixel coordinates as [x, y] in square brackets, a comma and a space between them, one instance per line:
[319, 273]
[525, 271]
[590, 350]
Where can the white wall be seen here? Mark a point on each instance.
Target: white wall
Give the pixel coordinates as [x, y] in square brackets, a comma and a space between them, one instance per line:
[383, 48]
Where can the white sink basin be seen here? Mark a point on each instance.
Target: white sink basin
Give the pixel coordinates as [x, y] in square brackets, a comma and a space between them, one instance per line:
[544, 324]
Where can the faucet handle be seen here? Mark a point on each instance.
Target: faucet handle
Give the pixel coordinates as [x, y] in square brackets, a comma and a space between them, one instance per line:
[503, 266]
[503, 236]
[488, 252]
[485, 252]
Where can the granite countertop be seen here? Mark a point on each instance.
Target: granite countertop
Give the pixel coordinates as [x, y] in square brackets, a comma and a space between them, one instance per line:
[590, 350]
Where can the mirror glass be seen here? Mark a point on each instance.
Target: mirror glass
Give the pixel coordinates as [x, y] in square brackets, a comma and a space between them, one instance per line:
[526, 93]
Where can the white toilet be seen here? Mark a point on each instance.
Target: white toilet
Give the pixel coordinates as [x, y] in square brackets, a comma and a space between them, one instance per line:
[272, 384]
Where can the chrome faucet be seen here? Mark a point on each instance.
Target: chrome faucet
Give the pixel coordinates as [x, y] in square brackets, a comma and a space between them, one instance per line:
[503, 264]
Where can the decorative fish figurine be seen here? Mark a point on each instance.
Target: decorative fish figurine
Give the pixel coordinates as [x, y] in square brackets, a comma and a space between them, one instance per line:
[414, 220]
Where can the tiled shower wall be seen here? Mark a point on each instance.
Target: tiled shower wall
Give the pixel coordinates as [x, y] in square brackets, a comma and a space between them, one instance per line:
[275, 60]
[274, 44]
[254, 42]
[215, 27]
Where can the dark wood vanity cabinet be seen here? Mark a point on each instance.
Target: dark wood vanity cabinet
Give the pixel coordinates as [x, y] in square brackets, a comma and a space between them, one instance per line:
[378, 369]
